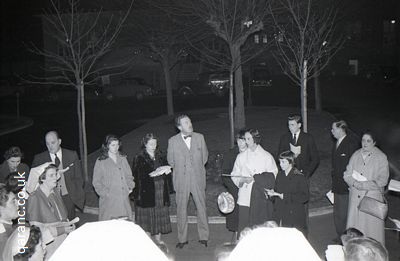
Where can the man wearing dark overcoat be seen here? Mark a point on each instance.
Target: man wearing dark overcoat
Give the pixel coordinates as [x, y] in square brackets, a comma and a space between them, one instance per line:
[342, 150]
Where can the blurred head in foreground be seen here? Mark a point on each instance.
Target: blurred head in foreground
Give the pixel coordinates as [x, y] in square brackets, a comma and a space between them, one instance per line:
[364, 249]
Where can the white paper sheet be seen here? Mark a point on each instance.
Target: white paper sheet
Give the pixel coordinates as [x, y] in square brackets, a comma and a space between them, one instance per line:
[358, 176]
[330, 196]
[295, 149]
[394, 185]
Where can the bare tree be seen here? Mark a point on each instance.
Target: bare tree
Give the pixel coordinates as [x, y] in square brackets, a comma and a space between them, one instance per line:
[79, 41]
[306, 41]
[162, 36]
[215, 52]
[233, 22]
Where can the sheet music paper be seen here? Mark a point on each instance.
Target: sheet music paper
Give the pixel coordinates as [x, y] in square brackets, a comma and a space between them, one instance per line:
[295, 149]
[358, 176]
[394, 185]
[331, 196]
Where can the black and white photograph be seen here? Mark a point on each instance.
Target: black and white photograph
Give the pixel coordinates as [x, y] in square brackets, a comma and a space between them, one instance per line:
[200, 130]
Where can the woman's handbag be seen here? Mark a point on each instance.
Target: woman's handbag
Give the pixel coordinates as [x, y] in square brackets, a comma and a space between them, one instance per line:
[373, 206]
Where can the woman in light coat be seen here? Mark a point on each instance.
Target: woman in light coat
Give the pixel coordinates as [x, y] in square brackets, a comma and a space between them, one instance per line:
[367, 172]
[113, 181]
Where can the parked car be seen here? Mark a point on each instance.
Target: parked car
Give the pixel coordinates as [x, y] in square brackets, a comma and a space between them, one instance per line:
[129, 87]
[261, 77]
[219, 83]
[55, 93]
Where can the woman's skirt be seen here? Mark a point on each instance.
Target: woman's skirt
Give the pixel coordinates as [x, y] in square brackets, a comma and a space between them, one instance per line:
[155, 220]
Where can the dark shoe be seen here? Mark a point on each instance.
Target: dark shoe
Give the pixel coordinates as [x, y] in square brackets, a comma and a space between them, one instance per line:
[204, 242]
[181, 245]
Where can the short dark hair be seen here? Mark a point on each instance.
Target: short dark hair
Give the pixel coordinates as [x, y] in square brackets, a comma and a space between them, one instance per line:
[371, 134]
[295, 117]
[13, 151]
[53, 132]
[255, 134]
[43, 175]
[288, 155]
[147, 137]
[11, 182]
[179, 118]
[365, 249]
[34, 238]
[240, 134]
[342, 125]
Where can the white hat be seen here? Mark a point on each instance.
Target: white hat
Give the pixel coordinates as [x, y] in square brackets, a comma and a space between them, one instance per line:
[33, 179]
[226, 202]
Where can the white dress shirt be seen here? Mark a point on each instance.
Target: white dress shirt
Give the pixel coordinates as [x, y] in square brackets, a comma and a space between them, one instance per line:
[187, 140]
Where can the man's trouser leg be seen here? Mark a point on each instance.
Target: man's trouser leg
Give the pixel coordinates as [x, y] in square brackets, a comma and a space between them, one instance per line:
[182, 198]
[340, 212]
[199, 197]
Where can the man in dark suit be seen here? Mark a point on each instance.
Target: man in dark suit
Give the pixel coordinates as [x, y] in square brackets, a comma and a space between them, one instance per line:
[187, 154]
[342, 150]
[70, 185]
[302, 145]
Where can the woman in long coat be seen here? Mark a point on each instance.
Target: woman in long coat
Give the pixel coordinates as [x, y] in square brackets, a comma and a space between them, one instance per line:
[113, 181]
[153, 186]
[371, 165]
[291, 192]
[254, 170]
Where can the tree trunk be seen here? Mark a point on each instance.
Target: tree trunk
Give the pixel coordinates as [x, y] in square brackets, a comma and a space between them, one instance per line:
[249, 94]
[168, 86]
[240, 118]
[304, 96]
[317, 94]
[83, 129]
[231, 121]
[78, 110]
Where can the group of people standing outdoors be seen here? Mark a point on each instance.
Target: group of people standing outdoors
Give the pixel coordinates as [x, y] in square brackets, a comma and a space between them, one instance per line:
[262, 192]
[43, 198]
[150, 181]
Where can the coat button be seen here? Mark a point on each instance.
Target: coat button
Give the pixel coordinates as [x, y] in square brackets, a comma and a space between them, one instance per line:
[358, 196]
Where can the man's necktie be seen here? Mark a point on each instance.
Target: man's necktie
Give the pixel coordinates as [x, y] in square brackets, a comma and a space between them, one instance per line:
[294, 139]
[57, 161]
[187, 136]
